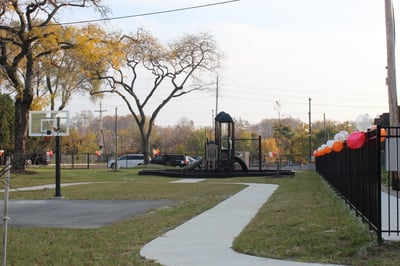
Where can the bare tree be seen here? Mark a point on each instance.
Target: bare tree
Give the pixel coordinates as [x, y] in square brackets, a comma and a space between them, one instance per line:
[28, 32]
[149, 75]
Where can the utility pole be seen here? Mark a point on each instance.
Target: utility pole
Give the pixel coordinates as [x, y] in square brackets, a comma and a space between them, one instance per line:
[212, 118]
[101, 117]
[391, 64]
[391, 78]
[101, 138]
[325, 135]
[309, 130]
[116, 138]
[278, 108]
[216, 99]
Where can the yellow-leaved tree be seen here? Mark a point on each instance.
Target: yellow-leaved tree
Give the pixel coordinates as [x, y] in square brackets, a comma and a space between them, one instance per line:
[70, 71]
[270, 148]
[29, 32]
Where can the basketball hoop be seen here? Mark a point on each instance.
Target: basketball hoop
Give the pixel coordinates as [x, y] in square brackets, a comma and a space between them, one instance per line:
[48, 123]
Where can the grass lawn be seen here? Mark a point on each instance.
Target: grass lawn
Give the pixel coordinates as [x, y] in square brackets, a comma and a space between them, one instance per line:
[303, 221]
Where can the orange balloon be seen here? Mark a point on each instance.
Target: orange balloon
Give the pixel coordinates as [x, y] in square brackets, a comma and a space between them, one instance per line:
[337, 146]
[327, 150]
[383, 134]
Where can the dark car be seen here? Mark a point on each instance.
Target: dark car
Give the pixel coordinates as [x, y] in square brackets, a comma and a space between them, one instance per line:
[180, 160]
[38, 159]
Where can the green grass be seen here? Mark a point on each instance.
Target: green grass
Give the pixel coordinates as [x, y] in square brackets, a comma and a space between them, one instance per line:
[303, 221]
[116, 244]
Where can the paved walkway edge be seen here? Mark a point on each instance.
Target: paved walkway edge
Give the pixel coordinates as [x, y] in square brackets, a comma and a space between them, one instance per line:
[207, 239]
[48, 186]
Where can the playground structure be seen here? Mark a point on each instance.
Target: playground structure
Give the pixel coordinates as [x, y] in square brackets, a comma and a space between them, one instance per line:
[220, 158]
[220, 155]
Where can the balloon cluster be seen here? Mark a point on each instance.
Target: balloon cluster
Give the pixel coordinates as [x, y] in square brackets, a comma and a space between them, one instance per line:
[354, 140]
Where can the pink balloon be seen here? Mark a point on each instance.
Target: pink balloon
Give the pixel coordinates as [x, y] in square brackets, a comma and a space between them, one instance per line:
[356, 140]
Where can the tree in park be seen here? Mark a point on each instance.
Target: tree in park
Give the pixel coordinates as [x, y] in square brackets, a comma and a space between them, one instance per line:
[6, 122]
[195, 142]
[29, 32]
[149, 74]
[68, 71]
[284, 136]
[270, 150]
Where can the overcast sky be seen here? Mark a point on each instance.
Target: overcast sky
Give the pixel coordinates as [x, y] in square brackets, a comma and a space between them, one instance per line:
[332, 51]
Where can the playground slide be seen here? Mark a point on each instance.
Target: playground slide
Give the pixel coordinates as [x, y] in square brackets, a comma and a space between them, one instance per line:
[197, 163]
[242, 163]
[193, 165]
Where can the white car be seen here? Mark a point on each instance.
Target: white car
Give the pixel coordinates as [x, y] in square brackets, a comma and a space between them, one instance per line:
[127, 161]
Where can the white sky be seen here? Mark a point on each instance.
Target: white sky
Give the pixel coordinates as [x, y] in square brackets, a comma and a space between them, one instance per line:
[332, 51]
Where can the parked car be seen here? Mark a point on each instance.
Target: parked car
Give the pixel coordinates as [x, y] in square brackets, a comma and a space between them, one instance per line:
[127, 161]
[38, 159]
[180, 160]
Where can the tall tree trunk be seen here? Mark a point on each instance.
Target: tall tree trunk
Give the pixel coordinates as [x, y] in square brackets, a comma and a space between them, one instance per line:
[21, 129]
[145, 149]
[145, 143]
[22, 106]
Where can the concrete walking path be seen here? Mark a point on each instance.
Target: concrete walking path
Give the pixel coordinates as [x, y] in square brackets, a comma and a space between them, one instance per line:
[207, 239]
[48, 186]
[390, 220]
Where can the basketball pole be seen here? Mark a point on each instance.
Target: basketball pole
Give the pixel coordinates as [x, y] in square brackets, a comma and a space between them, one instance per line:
[58, 159]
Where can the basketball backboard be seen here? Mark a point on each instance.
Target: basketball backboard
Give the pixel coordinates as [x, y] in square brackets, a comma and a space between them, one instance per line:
[48, 123]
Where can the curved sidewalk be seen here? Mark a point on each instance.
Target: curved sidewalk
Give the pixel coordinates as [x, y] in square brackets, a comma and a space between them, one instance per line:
[207, 239]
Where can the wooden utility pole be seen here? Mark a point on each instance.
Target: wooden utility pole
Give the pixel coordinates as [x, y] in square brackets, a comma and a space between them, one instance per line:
[216, 98]
[101, 137]
[309, 131]
[116, 139]
[391, 64]
[391, 79]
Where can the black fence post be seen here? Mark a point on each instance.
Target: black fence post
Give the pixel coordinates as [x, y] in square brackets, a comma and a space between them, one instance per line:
[355, 175]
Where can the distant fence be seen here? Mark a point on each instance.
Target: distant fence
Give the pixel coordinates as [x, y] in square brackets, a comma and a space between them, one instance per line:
[72, 161]
[86, 160]
[355, 174]
[253, 156]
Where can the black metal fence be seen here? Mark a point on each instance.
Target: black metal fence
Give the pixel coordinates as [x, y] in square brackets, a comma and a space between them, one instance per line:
[69, 161]
[391, 184]
[355, 174]
[85, 160]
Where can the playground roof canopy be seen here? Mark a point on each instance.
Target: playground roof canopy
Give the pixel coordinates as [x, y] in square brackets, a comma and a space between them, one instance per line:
[223, 117]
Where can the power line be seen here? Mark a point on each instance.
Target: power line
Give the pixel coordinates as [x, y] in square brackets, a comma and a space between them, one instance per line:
[151, 13]
[321, 103]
